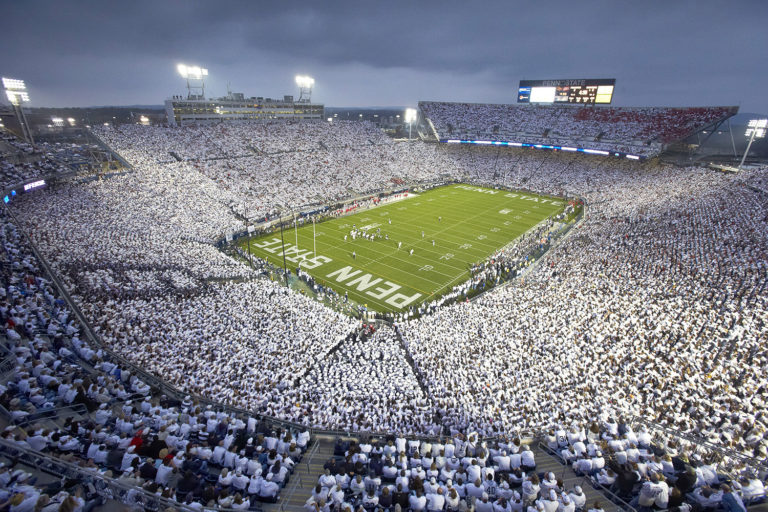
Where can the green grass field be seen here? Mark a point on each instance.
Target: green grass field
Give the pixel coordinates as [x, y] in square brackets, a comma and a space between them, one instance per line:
[466, 223]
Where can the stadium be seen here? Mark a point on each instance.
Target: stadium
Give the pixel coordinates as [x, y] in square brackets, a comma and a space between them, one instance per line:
[248, 304]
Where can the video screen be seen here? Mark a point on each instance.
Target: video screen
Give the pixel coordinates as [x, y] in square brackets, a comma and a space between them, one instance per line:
[599, 90]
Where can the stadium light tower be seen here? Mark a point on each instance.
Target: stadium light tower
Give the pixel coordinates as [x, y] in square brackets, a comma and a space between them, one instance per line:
[195, 76]
[305, 84]
[410, 116]
[16, 92]
[755, 130]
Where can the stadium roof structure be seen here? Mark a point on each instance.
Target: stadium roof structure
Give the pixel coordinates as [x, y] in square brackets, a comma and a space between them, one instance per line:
[235, 108]
[626, 132]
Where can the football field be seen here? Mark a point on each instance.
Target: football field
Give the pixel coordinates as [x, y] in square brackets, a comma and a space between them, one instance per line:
[422, 245]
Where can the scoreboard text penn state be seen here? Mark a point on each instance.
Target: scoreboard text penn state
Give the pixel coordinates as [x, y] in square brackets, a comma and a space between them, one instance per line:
[595, 90]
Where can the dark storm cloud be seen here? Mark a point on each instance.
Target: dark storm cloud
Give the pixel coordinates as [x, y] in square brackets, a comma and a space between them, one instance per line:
[388, 53]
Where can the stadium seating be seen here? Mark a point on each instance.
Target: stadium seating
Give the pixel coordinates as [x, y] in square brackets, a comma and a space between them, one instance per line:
[65, 399]
[652, 308]
[638, 468]
[638, 131]
[20, 162]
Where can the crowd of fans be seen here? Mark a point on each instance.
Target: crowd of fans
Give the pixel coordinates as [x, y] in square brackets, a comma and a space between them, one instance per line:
[635, 130]
[667, 299]
[237, 343]
[461, 473]
[129, 433]
[263, 168]
[654, 473]
[654, 306]
[372, 369]
[654, 123]
[468, 473]
[232, 140]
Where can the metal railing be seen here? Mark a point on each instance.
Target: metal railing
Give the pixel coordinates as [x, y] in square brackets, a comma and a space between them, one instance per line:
[7, 366]
[612, 496]
[8, 361]
[99, 142]
[364, 435]
[298, 481]
[609, 494]
[107, 487]
[699, 442]
[104, 486]
[53, 412]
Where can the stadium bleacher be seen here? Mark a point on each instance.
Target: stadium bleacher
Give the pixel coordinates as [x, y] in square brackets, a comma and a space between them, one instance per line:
[21, 162]
[640, 131]
[667, 270]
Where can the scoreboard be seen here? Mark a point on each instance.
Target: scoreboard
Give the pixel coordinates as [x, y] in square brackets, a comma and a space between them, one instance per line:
[595, 90]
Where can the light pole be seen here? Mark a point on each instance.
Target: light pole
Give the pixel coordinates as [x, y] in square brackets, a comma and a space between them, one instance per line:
[16, 92]
[410, 117]
[195, 76]
[305, 84]
[755, 130]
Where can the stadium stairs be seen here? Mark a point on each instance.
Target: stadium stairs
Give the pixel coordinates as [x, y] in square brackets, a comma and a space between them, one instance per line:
[546, 462]
[304, 477]
[411, 362]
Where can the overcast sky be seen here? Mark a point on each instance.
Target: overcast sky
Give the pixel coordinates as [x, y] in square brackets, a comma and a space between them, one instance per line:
[388, 53]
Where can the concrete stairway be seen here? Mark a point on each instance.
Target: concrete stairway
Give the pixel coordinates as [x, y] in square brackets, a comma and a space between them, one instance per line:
[306, 473]
[546, 463]
[304, 477]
